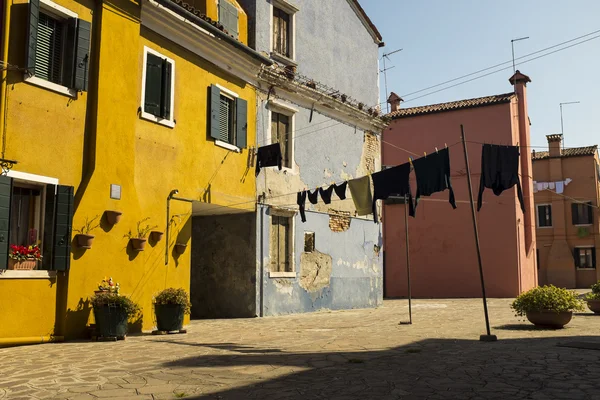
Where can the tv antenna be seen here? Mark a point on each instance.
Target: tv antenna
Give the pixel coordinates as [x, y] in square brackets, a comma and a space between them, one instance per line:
[385, 56]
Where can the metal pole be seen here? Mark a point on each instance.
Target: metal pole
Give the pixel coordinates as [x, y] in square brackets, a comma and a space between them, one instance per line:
[387, 105]
[489, 337]
[562, 130]
[167, 231]
[407, 260]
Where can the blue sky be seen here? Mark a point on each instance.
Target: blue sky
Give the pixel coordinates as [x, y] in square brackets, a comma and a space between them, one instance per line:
[444, 39]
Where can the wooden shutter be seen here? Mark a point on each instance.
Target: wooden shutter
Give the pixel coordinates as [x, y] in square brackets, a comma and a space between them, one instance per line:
[70, 53]
[283, 33]
[215, 108]
[49, 49]
[166, 90]
[228, 17]
[152, 96]
[274, 127]
[5, 200]
[241, 123]
[34, 16]
[284, 124]
[590, 212]
[49, 218]
[549, 219]
[574, 214]
[276, 27]
[225, 121]
[63, 220]
[274, 240]
[576, 257]
[593, 257]
[82, 55]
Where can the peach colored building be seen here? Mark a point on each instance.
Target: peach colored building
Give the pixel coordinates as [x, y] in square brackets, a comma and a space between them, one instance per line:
[566, 198]
[442, 245]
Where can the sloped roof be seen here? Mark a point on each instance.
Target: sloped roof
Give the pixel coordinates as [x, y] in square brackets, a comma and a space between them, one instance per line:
[452, 105]
[365, 18]
[571, 152]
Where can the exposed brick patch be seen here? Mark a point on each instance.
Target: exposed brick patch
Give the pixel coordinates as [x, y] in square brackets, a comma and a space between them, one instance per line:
[339, 221]
[371, 151]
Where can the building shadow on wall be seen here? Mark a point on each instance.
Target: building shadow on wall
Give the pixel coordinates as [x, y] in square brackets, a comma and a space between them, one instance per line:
[77, 319]
[431, 368]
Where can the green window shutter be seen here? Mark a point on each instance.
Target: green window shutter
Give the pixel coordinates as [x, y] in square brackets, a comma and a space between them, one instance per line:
[590, 212]
[49, 217]
[228, 17]
[152, 96]
[241, 122]
[225, 122]
[82, 55]
[166, 90]
[576, 257]
[34, 16]
[70, 53]
[63, 220]
[215, 108]
[574, 214]
[5, 196]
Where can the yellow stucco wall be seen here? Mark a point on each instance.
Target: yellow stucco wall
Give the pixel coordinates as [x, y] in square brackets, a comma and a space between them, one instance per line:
[148, 160]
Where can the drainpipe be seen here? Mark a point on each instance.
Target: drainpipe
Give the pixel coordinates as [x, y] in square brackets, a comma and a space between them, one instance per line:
[21, 341]
[3, 86]
[169, 198]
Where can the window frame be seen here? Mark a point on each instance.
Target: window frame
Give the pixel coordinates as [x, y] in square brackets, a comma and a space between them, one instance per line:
[233, 96]
[55, 11]
[289, 111]
[291, 11]
[592, 249]
[537, 215]
[588, 204]
[151, 117]
[290, 215]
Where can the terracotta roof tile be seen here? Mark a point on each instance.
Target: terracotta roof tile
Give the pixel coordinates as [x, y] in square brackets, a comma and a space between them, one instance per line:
[555, 137]
[571, 152]
[452, 105]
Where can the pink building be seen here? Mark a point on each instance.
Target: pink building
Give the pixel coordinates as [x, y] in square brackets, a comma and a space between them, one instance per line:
[442, 244]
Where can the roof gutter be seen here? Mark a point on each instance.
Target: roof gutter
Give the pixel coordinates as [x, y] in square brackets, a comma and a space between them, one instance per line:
[214, 30]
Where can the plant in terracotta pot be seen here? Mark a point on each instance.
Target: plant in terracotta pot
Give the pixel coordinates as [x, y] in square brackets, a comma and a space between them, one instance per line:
[139, 238]
[24, 257]
[547, 306]
[83, 237]
[593, 298]
[111, 312]
[170, 306]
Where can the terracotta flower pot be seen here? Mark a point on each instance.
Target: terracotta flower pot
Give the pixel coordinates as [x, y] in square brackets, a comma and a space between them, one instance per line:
[594, 306]
[100, 291]
[113, 217]
[156, 236]
[138, 244]
[84, 241]
[180, 248]
[549, 319]
[25, 265]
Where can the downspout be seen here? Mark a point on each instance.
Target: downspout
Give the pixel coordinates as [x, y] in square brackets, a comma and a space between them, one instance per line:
[4, 85]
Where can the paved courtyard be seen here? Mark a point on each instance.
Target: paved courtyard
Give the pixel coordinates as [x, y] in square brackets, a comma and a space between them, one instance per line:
[343, 355]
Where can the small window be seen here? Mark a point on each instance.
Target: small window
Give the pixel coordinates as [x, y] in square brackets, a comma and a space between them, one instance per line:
[281, 133]
[281, 32]
[26, 215]
[227, 120]
[544, 215]
[281, 244]
[228, 17]
[585, 257]
[49, 54]
[582, 213]
[309, 242]
[158, 87]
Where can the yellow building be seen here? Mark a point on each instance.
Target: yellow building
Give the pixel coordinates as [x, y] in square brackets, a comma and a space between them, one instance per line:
[111, 106]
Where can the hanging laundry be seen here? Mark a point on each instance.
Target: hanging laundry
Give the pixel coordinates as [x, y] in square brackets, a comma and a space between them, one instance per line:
[326, 194]
[545, 185]
[433, 175]
[560, 187]
[499, 171]
[392, 181]
[535, 189]
[340, 190]
[268, 156]
[360, 189]
[301, 200]
[314, 196]
[551, 185]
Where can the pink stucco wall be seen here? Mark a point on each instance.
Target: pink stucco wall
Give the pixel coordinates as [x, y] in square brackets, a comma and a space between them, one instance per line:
[442, 245]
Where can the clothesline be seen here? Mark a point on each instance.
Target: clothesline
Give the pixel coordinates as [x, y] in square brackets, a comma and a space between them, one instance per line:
[518, 145]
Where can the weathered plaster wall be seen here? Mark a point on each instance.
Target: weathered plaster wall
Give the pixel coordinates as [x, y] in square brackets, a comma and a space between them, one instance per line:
[223, 272]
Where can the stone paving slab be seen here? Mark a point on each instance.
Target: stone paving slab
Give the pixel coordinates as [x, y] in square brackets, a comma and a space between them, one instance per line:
[358, 354]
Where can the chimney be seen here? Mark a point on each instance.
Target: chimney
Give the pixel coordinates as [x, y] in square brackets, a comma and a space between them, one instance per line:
[554, 144]
[394, 101]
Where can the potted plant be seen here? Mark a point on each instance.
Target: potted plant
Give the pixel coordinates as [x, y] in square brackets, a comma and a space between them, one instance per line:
[170, 306]
[113, 217]
[156, 236]
[83, 237]
[24, 257]
[138, 239]
[111, 312]
[593, 298]
[547, 306]
[108, 286]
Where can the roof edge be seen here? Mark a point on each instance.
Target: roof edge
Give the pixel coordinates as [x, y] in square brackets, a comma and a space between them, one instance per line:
[366, 21]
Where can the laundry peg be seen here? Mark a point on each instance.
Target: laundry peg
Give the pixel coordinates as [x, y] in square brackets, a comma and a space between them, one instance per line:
[446, 144]
[436, 150]
[425, 154]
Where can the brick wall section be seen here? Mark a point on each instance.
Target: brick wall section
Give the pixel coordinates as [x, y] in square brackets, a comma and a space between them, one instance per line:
[339, 221]
[371, 151]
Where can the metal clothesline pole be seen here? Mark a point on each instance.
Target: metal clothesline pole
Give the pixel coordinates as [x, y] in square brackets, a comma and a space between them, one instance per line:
[407, 260]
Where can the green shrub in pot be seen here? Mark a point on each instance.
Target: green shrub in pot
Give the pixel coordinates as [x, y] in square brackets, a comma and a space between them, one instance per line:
[593, 298]
[170, 306]
[112, 311]
[548, 305]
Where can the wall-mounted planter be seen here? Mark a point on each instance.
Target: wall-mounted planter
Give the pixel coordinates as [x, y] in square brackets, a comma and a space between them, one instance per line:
[84, 241]
[138, 244]
[25, 265]
[113, 217]
[156, 236]
[180, 248]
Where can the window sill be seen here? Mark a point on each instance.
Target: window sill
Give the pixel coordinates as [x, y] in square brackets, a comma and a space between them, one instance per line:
[282, 274]
[161, 121]
[583, 225]
[545, 227]
[283, 59]
[51, 86]
[38, 274]
[227, 146]
[586, 269]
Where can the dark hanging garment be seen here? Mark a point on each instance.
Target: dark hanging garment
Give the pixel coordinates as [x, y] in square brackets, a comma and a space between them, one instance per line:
[340, 190]
[268, 156]
[326, 194]
[499, 171]
[392, 181]
[433, 175]
[301, 200]
[313, 197]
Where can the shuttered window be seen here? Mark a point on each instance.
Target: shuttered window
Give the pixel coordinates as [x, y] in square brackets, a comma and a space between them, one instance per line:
[228, 117]
[158, 83]
[281, 244]
[281, 34]
[544, 214]
[226, 122]
[280, 133]
[228, 17]
[49, 50]
[582, 213]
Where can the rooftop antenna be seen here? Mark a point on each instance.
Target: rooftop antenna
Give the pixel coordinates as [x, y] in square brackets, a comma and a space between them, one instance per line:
[512, 45]
[384, 70]
[562, 131]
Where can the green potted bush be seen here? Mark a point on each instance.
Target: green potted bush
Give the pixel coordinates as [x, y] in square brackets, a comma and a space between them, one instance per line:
[170, 306]
[547, 306]
[112, 311]
[593, 298]
[83, 237]
[138, 239]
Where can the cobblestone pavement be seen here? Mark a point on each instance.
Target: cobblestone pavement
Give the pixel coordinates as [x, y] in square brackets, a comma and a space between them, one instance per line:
[359, 354]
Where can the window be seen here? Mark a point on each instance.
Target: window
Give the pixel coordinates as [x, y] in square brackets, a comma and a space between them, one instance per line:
[281, 33]
[228, 17]
[281, 244]
[544, 215]
[158, 88]
[228, 118]
[585, 257]
[582, 213]
[309, 242]
[58, 46]
[281, 133]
